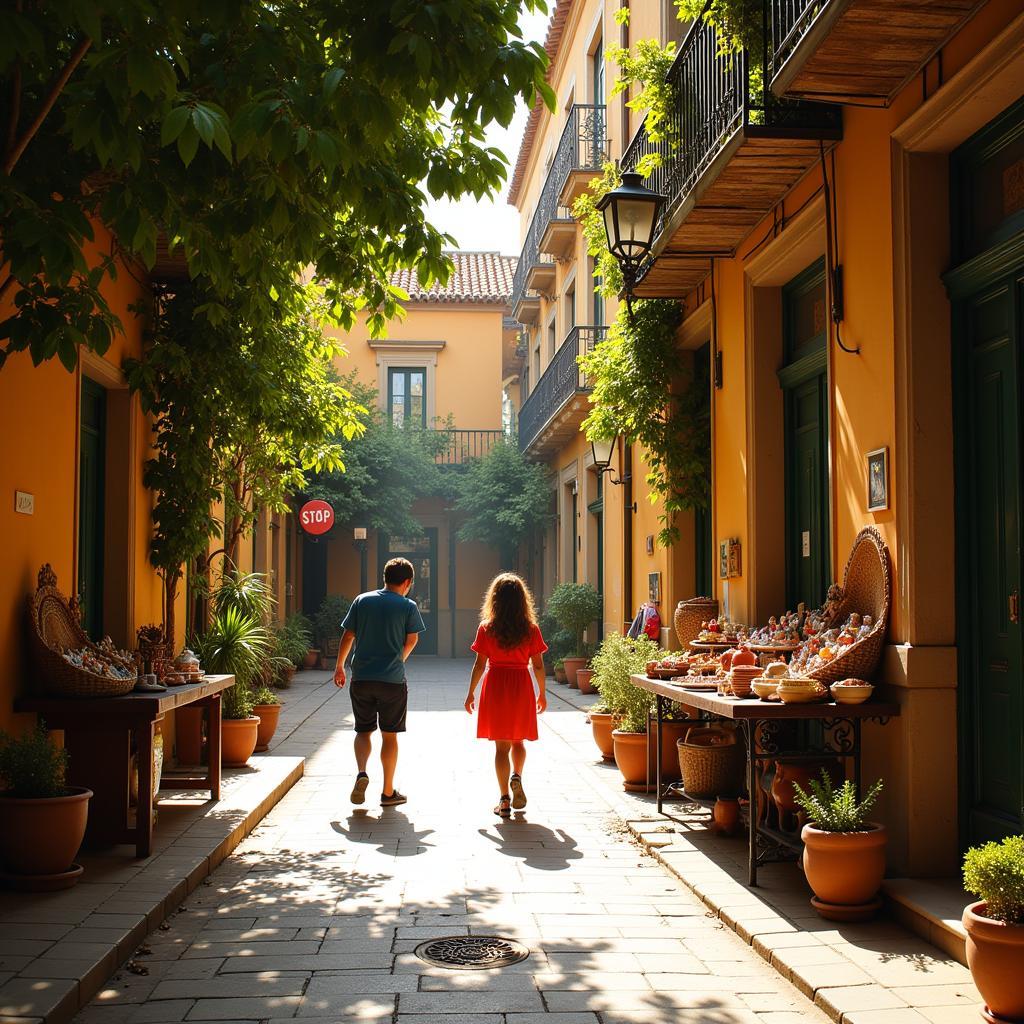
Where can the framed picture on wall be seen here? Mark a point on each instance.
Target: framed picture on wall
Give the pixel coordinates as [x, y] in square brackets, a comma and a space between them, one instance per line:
[878, 479]
[654, 587]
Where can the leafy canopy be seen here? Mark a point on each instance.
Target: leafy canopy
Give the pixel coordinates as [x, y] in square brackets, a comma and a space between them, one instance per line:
[254, 139]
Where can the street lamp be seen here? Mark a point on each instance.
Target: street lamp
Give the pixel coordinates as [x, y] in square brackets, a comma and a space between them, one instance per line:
[602, 453]
[630, 214]
[359, 542]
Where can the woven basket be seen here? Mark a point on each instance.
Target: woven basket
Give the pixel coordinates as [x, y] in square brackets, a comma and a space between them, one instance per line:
[867, 588]
[53, 628]
[691, 615]
[711, 762]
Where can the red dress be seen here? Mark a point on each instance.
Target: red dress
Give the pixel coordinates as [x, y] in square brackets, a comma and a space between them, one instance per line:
[508, 701]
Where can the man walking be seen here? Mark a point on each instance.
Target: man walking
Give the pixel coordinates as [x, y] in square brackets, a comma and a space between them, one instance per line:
[385, 626]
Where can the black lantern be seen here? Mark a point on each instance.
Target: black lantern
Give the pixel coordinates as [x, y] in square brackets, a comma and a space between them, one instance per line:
[630, 214]
[602, 452]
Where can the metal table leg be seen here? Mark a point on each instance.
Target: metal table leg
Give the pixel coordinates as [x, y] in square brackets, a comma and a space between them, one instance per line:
[659, 714]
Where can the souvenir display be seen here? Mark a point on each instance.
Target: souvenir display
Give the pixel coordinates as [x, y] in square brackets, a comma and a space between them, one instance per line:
[721, 631]
[822, 647]
[102, 660]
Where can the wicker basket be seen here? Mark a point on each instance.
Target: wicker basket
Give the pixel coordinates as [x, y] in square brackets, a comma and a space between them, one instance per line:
[691, 615]
[867, 588]
[711, 762]
[53, 628]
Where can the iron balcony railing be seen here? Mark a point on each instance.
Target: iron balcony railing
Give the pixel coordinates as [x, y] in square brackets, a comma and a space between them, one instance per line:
[582, 147]
[466, 445]
[716, 94]
[791, 21]
[562, 379]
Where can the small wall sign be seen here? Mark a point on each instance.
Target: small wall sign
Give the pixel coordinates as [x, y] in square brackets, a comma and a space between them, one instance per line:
[729, 558]
[316, 517]
[654, 587]
[24, 503]
[878, 479]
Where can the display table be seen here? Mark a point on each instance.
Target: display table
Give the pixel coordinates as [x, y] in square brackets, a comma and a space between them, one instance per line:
[761, 722]
[98, 735]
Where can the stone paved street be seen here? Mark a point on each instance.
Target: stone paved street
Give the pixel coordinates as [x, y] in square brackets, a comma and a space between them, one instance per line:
[317, 914]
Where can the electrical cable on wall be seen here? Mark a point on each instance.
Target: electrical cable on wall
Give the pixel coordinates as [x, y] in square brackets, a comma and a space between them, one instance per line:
[833, 270]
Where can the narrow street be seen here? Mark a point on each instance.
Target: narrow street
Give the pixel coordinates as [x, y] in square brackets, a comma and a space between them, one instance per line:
[318, 913]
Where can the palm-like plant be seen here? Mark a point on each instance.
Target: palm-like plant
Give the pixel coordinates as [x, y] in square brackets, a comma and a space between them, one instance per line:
[248, 592]
[239, 645]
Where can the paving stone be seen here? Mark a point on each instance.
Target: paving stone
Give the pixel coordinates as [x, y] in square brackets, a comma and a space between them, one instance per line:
[469, 1002]
[233, 987]
[248, 1008]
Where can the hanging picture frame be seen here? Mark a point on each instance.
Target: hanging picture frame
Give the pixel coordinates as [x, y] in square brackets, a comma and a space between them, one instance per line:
[878, 479]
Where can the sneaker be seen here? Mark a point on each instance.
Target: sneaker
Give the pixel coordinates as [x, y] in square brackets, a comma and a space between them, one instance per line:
[359, 789]
[518, 795]
[392, 799]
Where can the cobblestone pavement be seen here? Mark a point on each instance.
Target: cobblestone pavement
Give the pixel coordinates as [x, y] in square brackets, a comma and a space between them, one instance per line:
[318, 913]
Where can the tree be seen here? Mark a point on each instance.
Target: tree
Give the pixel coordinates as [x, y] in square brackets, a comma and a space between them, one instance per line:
[386, 470]
[503, 498]
[255, 139]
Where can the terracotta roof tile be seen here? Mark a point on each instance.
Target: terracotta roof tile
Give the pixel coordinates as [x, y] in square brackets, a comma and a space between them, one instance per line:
[476, 277]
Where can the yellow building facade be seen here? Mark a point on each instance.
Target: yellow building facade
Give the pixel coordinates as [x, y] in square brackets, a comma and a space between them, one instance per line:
[847, 253]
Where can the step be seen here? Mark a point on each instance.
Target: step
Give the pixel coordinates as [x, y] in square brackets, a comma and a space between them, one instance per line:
[930, 907]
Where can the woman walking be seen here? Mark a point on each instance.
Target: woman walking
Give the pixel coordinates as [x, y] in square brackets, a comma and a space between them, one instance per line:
[507, 643]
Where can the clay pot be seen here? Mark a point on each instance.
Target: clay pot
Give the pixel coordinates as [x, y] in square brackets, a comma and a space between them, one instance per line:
[268, 714]
[740, 678]
[285, 677]
[238, 740]
[560, 675]
[995, 955]
[40, 836]
[725, 818]
[312, 657]
[725, 659]
[743, 656]
[801, 772]
[630, 749]
[601, 724]
[845, 870]
[572, 666]
[584, 676]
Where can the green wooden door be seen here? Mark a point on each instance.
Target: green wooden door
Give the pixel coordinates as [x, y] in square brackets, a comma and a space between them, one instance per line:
[422, 552]
[91, 484]
[989, 481]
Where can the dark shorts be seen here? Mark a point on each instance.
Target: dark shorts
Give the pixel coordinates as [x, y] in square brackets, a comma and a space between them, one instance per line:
[384, 701]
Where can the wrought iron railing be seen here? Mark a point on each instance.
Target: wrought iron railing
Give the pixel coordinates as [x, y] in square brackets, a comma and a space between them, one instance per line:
[791, 21]
[562, 379]
[466, 445]
[583, 146]
[716, 93]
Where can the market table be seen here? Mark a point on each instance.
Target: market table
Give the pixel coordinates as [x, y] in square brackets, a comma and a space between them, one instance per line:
[97, 736]
[760, 723]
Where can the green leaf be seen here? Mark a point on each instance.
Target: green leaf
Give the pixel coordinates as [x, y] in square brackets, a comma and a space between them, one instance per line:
[188, 144]
[173, 125]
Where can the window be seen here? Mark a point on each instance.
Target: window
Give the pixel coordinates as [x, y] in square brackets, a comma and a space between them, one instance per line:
[595, 281]
[407, 396]
[672, 28]
[570, 309]
[552, 339]
[597, 73]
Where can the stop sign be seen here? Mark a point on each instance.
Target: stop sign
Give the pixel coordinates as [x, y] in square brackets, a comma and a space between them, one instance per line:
[316, 517]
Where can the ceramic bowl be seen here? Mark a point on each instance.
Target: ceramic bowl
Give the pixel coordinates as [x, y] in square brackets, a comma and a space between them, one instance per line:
[789, 694]
[851, 694]
[764, 688]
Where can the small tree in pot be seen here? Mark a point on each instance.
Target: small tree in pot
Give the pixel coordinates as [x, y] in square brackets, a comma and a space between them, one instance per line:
[995, 925]
[844, 854]
[575, 606]
[42, 820]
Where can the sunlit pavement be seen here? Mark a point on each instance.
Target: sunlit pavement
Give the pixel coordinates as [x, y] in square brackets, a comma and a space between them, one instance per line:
[318, 913]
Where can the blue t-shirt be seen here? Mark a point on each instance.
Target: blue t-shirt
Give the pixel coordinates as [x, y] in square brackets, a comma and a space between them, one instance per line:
[381, 620]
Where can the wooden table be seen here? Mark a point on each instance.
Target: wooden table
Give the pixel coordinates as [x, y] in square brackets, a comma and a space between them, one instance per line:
[760, 723]
[98, 735]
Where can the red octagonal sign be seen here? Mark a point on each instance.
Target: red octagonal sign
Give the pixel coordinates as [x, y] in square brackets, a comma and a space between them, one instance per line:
[316, 517]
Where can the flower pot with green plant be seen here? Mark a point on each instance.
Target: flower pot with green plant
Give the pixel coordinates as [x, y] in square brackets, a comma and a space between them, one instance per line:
[560, 671]
[42, 819]
[995, 926]
[602, 722]
[293, 641]
[327, 623]
[266, 706]
[574, 606]
[844, 853]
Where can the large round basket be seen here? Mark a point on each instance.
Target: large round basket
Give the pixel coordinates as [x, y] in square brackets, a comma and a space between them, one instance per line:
[867, 589]
[691, 615]
[54, 628]
[711, 762]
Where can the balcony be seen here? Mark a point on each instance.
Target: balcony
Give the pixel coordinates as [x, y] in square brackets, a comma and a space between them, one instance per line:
[552, 233]
[729, 156]
[850, 50]
[466, 445]
[558, 404]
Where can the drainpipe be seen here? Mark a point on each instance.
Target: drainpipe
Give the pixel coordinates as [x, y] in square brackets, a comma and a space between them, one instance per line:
[626, 462]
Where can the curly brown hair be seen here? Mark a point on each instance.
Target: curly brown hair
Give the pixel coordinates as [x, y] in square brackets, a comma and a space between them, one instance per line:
[508, 611]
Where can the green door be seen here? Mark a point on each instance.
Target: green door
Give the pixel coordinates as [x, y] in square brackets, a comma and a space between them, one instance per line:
[422, 552]
[91, 483]
[988, 486]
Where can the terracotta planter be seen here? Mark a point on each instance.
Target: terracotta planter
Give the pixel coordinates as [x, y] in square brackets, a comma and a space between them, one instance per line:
[560, 675]
[572, 666]
[725, 818]
[312, 658]
[845, 870]
[995, 955]
[40, 837]
[601, 724]
[238, 740]
[630, 749]
[285, 677]
[584, 677]
[268, 714]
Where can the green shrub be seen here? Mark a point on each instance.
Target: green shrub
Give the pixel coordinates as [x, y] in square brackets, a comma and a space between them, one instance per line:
[33, 766]
[263, 694]
[235, 644]
[616, 660]
[293, 639]
[247, 592]
[329, 617]
[836, 810]
[995, 874]
[236, 702]
[574, 606]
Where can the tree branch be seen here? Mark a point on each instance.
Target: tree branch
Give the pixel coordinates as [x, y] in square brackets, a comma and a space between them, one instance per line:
[15, 150]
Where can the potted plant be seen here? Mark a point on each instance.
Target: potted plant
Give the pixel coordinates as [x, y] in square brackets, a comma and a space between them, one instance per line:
[844, 853]
[995, 925]
[602, 722]
[42, 820]
[575, 606]
[327, 624]
[266, 706]
[584, 680]
[560, 671]
[292, 643]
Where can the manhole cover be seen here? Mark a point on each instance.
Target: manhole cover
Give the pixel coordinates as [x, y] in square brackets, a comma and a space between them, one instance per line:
[471, 952]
